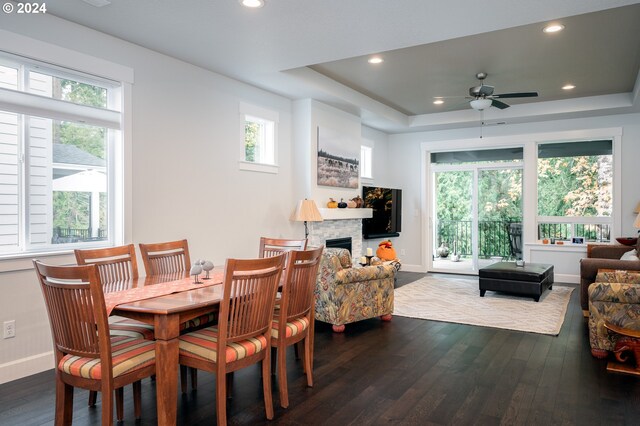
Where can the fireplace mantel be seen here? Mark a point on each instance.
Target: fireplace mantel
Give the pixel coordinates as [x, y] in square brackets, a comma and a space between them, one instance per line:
[340, 214]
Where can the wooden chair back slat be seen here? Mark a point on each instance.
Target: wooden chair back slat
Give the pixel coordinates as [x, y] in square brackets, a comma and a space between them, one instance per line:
[299, 284]
[274, 246]
[117, 266]
[75, 303]
[250, 287]
[166, 258]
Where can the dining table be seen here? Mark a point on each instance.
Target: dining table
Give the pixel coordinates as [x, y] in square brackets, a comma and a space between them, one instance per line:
[166, 302]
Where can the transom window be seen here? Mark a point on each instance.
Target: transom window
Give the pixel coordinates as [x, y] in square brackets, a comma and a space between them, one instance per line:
[366, 165]
[58, 135]
[259, 139]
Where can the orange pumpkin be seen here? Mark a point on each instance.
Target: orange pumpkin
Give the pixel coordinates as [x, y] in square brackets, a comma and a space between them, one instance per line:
[332, 204]
[386, 251]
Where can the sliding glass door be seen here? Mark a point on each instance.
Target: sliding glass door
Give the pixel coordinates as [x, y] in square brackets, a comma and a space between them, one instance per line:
[499, 215]
[476, 209]
[453, 237]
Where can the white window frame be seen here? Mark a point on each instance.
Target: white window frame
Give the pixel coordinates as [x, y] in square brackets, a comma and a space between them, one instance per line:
[366, 163]
[530, 206]
[265, 117]
[29, 104]
[572, 221]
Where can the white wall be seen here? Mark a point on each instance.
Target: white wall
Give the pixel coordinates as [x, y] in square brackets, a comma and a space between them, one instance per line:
[405, 154]
[308, 115]
[185, 178]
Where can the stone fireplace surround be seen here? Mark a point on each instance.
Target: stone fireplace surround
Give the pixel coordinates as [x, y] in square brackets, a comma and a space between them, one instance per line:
[320, 232]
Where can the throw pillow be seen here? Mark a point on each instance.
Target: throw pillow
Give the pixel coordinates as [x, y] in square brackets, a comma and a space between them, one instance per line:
[630, 255]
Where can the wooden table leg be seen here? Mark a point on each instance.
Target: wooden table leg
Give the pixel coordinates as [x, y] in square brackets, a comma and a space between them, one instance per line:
[166, 333]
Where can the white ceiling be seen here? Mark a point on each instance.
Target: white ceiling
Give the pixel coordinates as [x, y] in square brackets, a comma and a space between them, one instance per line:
[318, 49]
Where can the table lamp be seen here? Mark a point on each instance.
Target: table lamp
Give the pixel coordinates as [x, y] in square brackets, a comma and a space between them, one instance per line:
[307, 211]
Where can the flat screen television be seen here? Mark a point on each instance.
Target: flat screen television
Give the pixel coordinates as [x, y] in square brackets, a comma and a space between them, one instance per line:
[387, 212]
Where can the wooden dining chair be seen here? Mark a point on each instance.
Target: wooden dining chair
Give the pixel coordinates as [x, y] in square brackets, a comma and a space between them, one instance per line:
[293, 322]
[117, 267]
[274, 246]
[169, 258]
[86, 355]
[167, 261]
[243, 334]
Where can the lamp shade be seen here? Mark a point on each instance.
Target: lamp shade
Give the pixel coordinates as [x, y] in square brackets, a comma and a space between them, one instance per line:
[307, 211]
[636, 223]
[637, 209]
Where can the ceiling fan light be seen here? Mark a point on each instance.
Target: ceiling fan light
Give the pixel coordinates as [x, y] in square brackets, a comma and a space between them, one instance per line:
[480, 104]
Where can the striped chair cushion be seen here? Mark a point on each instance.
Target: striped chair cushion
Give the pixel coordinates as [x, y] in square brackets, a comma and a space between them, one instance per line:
[127, 355]
[201, 344]
[203, 320]
[132, 328]
[297, 326]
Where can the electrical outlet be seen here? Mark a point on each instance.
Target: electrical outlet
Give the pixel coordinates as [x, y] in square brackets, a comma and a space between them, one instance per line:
[403, 252]
[9, 329]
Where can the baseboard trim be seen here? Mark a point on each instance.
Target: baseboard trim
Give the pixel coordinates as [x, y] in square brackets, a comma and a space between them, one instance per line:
[27, 366]
[566, 278]
[413, 268]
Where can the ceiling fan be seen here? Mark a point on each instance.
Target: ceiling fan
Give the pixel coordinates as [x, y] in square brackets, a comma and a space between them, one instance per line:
[482, 96]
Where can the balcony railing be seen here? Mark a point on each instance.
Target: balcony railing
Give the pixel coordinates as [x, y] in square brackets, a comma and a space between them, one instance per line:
[76, 235]
[494, 238]
[598, 232]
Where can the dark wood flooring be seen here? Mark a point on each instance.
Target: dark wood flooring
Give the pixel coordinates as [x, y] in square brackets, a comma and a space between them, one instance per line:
[406, 371]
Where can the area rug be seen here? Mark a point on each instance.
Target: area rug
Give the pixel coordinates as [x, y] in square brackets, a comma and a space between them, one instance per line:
[457, 300]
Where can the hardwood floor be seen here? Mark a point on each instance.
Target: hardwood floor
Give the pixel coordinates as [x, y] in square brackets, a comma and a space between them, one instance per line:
[406, 371]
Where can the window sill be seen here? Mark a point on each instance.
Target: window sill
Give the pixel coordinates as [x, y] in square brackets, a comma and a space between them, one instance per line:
[566, 246]
[258, 167]
[24, 261]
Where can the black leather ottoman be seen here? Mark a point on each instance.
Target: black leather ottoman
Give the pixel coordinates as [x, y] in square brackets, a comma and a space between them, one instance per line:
[529, 280]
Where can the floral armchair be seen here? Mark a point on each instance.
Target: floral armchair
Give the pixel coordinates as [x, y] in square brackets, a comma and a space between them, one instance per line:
[614, 297]
[345, 294]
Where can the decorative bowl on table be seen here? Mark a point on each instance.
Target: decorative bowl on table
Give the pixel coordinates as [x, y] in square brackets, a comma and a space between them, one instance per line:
[627, 241]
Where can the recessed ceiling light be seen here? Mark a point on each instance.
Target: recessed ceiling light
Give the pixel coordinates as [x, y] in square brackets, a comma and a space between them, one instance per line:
[252, 3]
[438, 101]
[553, 28]
[375, 60]
[568, 87]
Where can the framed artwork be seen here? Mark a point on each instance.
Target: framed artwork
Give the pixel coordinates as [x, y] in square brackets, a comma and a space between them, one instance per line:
[338, 159]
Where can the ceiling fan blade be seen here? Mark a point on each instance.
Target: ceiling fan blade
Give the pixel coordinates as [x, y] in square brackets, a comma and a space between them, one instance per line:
[517, 95]
[500, 105]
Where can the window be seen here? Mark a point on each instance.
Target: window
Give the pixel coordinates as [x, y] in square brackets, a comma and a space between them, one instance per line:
[58, 133]
[365, 162]
[575, 190]
[259, 139]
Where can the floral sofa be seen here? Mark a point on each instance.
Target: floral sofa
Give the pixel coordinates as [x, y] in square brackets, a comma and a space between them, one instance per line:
[614, 297]
[345, 294]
